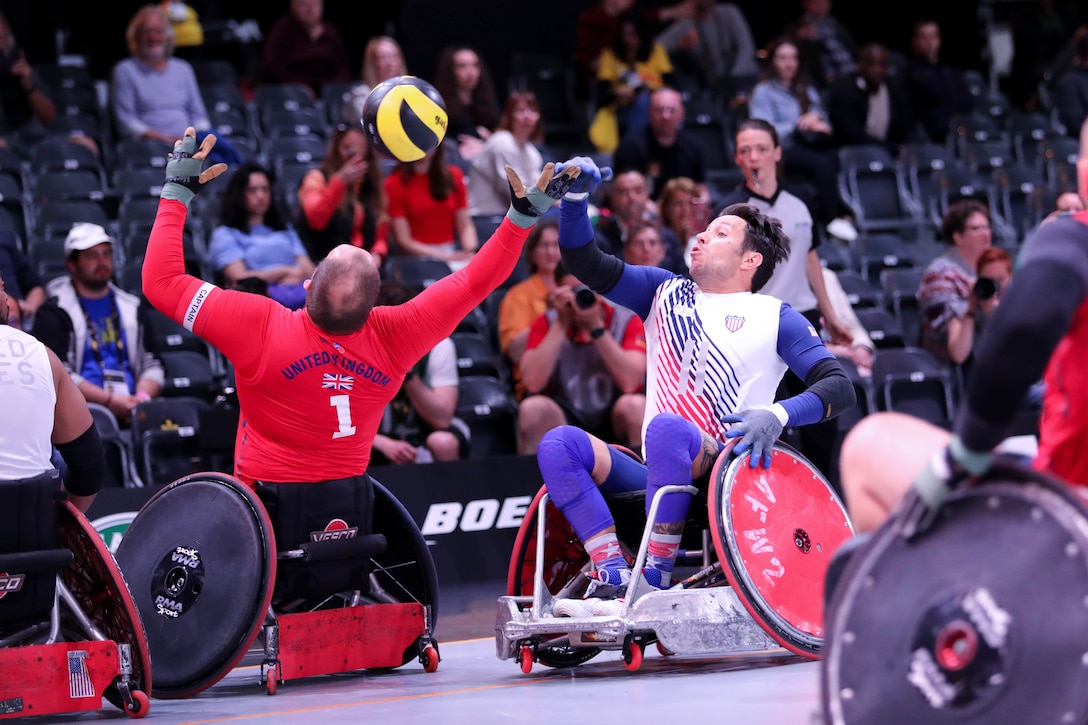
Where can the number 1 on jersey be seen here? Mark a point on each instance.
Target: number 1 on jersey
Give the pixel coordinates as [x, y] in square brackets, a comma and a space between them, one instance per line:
[342, 403]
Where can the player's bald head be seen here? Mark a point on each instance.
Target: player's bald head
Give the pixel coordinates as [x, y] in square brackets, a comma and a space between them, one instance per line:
[343, 290]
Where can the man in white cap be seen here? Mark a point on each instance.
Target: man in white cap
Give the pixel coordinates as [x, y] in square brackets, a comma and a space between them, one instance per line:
[95, 327]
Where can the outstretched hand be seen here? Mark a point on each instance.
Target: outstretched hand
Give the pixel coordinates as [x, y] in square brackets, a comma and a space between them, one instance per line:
[528, 203]
[184, 173]
[589, 174]
[758, 429]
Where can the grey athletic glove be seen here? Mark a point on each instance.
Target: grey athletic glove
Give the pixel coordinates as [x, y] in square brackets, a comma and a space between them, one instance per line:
[758, 430]
[183, 171]
[948, 469]
[526, 204]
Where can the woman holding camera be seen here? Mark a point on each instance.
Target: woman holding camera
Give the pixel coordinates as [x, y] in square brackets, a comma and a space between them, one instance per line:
[945, 292]
[994, 268]
[584, 365]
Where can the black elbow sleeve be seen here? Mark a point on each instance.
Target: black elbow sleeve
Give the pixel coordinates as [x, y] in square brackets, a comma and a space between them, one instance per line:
[86, 463]
[831, 385]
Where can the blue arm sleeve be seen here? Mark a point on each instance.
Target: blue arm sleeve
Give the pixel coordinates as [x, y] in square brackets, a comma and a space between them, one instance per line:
[801, 347]
[636, 287]
[575, 229]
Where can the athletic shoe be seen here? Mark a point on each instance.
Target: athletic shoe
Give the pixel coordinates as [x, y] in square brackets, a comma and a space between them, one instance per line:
[841, 228]
[592, 607]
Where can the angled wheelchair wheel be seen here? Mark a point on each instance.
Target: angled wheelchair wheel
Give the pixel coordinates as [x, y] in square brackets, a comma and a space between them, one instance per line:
[955, 624]
[98, 586]
[200, 558]
[405, 571]
[775, 531]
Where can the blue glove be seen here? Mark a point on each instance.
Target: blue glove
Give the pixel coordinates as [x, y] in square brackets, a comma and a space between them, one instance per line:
[589, 175]
[948, 469]
[184, 176]
[528, 203]
[758, 430]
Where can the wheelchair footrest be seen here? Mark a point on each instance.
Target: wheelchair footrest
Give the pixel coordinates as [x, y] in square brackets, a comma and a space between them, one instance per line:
[348, 638]
[64, 677]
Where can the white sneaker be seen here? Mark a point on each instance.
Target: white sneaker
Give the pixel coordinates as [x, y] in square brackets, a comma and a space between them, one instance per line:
[592, 607]
[842, 229]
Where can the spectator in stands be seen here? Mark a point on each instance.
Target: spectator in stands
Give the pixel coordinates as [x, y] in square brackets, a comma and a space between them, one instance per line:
[685, 211]
[188, 32]
[1072, 92]
[662, 150]
[713, 47]
[428, 210]
[826, 45]
[1069, 202]
[382, 59]
[28, 111]
[472, 104]
[994, 272]
[343, 199]
[155, 95]
[254, 239]
[419, 425]
[302, 47]
[799, 279]
[528, 299]
[871, 107]
[584, 365]
[21, 281]
[96, 328]
[1041, 33]
[937, 91]
[595, 30]
[945, 291]
[513, 144]
[629, 204]
[644, 246]
[785, 97]
[629, 71]
[860, 348]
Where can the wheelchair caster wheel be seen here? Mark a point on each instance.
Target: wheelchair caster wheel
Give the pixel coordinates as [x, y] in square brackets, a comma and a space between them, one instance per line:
[429, 657]
[663, 650]
[270, 685]
[526, 659]
[632, 656]
[139, 706]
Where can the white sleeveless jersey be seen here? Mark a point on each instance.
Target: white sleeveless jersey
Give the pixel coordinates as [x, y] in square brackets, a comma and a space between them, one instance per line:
[710, 354]
[29, 398]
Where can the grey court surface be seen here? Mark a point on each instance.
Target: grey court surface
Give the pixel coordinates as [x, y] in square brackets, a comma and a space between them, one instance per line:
[473, 686]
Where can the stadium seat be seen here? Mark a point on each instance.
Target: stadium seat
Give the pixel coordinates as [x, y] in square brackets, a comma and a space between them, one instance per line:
[476, 356]
[189, 374]
[488, 407]
[911, 380]
[165, 439]
[883, 328]
[308, 120]
[55, 218]
[859, 292]
[877, 252]
[876, 190]
[418, 272]
[900, 287]
[138, 183]
[70, 185]
[141, 153]
[119, 470]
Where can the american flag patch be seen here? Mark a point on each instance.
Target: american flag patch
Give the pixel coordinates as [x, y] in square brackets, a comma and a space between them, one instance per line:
[337, 382]
[734, 322]
[79, 680]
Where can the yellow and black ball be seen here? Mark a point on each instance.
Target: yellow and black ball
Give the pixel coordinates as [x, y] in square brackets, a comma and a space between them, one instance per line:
[405, 118]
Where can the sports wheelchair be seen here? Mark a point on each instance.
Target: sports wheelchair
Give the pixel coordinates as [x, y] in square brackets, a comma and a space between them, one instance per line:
[978, 615]
[750, 572]
[332, 576]
[70, 633]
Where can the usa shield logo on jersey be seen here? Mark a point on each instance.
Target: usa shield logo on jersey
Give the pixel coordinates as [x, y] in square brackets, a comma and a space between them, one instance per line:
[734, 322]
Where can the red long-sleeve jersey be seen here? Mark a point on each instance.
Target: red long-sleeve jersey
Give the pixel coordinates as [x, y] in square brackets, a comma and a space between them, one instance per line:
[311, 402]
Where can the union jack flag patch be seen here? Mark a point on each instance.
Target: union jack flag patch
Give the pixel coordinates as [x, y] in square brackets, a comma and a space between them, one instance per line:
[337, 382]
[733, 322]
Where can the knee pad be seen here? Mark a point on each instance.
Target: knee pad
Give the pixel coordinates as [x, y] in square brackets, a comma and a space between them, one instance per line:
[672, 443]
[565, 457]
